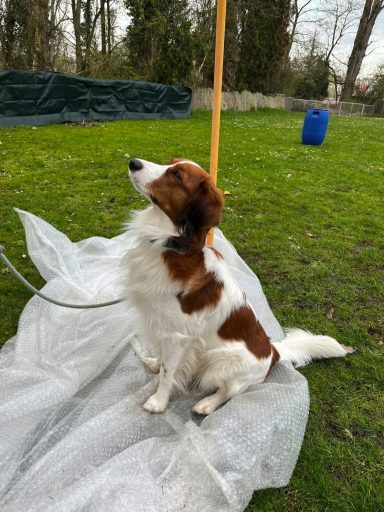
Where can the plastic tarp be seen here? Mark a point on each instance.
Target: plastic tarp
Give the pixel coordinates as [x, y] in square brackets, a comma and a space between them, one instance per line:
[74, 436]
[38, 98]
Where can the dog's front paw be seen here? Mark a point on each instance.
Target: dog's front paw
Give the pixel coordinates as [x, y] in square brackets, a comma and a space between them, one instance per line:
[205, 406]
[155, 404]
[152, 363]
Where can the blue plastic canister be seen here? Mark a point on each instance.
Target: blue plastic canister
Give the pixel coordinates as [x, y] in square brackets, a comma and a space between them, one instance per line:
[315, 126]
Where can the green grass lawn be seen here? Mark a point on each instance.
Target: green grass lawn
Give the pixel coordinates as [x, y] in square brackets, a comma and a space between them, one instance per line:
[309, 222]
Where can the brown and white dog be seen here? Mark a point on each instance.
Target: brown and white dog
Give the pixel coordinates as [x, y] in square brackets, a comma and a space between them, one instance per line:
[193, 317]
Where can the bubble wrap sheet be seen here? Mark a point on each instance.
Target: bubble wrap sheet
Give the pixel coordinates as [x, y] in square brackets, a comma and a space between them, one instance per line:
[74, 438]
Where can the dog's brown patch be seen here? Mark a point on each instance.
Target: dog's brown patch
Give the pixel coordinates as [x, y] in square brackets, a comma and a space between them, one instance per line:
[275, 359]
[182, 267]
[243, 325]
[201, 288]
[204, 294]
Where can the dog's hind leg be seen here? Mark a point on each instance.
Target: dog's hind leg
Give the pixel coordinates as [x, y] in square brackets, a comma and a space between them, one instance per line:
[210, 403]
[231, 370]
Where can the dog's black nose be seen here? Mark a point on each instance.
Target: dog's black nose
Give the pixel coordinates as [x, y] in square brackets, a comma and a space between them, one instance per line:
[135, 165]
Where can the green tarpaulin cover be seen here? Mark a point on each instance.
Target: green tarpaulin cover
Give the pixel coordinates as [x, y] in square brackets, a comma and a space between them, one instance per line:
[38, 98]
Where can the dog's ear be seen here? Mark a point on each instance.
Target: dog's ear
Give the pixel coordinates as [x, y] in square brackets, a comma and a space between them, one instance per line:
[202, 213]
[177, 160]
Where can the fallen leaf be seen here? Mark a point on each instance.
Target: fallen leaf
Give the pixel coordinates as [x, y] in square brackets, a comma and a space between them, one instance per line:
[348, 433]
[311, 235]
[330, 313]
[226, 193]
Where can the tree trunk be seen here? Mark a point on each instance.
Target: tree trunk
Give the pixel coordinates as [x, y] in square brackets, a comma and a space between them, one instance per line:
[90, 22]
[231, 47]
[43, 35]
[371, 10]
[103, 31]
[76, 19]
[109, 28]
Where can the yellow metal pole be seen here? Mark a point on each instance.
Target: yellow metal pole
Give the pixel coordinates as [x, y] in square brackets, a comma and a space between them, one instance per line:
[217, 89]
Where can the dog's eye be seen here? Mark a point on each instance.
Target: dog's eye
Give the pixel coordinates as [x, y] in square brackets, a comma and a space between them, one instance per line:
[176, 174]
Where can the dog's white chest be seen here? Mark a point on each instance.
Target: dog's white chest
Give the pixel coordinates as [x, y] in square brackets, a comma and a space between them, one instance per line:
[148, 278]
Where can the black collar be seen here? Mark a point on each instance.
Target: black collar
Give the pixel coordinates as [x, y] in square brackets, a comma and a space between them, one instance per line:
[170, 245]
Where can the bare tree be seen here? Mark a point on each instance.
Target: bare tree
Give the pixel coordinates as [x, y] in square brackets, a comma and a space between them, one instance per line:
[84, 18]
[2, 31]
[232, 44]
[299, 14]
[109, 27]
[58, 17]
[203, 28]
[76, 20]
[372, 9]
[103, 28]
[339, 19]
[92, 33]
[337, 78]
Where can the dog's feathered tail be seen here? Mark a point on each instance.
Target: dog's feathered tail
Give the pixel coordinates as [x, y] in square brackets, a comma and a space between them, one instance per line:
[301, 347]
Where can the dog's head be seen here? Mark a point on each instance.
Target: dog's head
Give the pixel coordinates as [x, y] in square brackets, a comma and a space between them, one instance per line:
[185, 193]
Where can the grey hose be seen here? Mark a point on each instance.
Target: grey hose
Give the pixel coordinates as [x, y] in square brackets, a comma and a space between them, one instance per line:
[49, 299]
